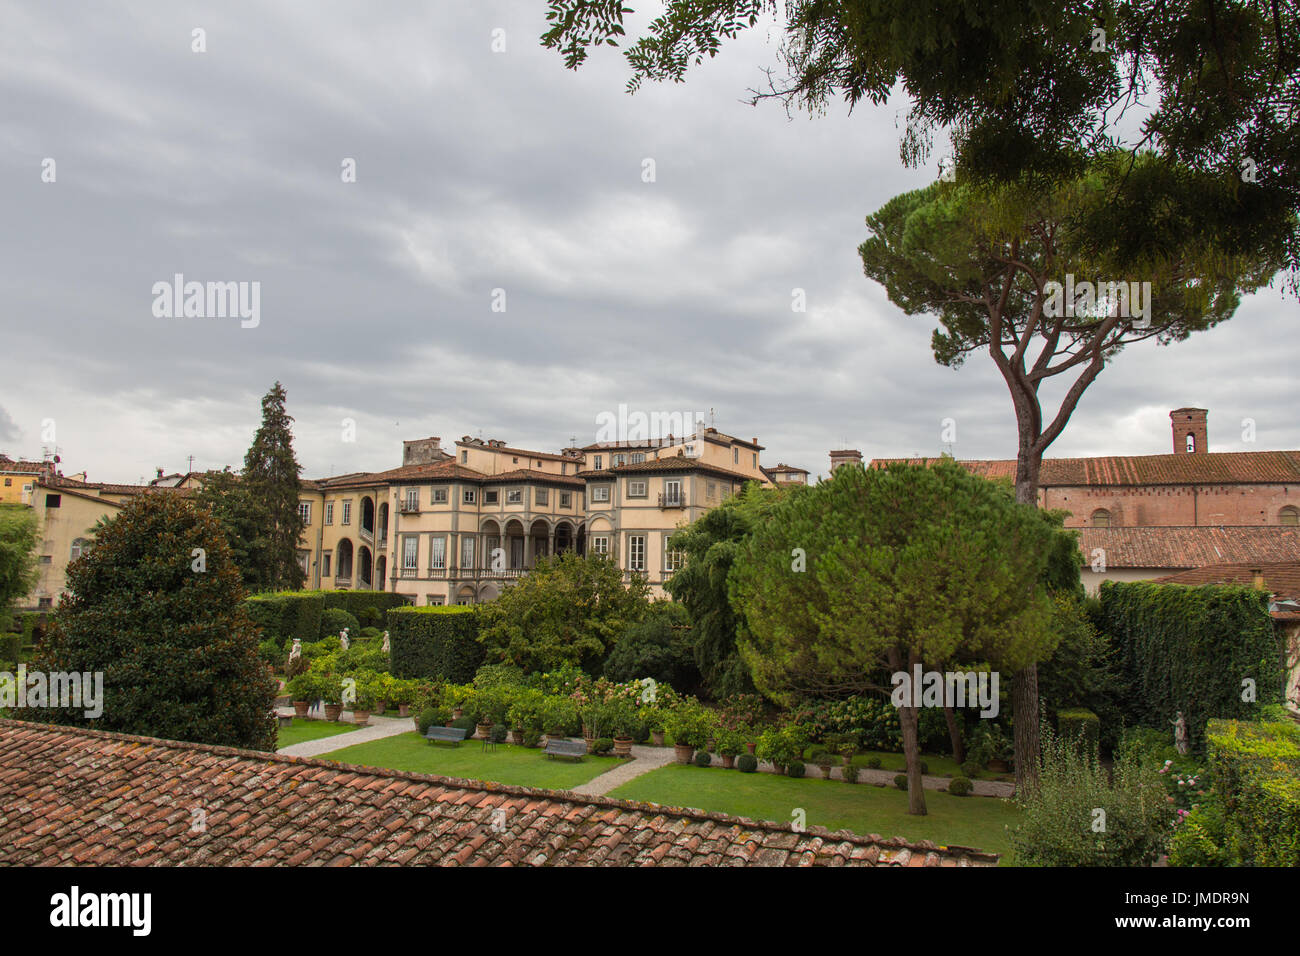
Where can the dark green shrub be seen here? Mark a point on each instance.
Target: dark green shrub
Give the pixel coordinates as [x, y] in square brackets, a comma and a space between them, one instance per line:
[850, 773]
[10, 645]
[34, 624]
[432, 717]
[269, 651]
[703, 758]
[498, 734]
[1256, 771]
[900, 781]
[873, 763]
[467, 724]
[361, 603]
[434, 642]
[1201, 839]
[532, 738]
[1079, 726]
[960, 787]
[602, 745]
[334, 620]
[285, 615]
[371, 617]
[795, 769]
[641, 734]
[746, 763]
[925, 767]
[971, 769]
[1188, 649]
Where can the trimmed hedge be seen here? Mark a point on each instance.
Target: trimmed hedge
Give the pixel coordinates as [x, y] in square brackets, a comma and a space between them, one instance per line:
[1256, 768]
[286, 615]
[1080, 725]
[1188, 649]
[439, 643]
[357, 603]
[10, 645]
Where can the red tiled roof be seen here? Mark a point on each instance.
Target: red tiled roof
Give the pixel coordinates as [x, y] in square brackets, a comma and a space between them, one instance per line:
[673, 463]
[1191, 547]
[1216, 468]
[1281, 580]
[9, 466]
[72, 796]
[510, 450]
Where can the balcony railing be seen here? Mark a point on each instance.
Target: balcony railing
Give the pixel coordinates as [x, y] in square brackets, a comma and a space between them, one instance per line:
[502, 573]
[342, 581]
[672, 501]
[409, 572]
[367, 534]
[408, 507]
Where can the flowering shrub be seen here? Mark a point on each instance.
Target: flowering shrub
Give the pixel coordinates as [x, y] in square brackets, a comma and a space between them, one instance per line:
[872, 721]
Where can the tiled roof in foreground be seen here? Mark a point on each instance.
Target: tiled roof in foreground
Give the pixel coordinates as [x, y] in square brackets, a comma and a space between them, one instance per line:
[71, 796]
[1186, 546]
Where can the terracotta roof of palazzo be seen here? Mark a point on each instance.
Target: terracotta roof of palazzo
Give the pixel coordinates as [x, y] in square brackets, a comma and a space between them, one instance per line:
[1223, 468]
[1282, 580]
[73, 796]
[527, 474]
[670, 464]
[1191, 547]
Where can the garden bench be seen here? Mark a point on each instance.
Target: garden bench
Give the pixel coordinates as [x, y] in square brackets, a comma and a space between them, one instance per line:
[565, 748]
[450, 735]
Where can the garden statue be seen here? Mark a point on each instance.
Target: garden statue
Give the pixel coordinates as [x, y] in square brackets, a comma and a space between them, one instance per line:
[295, 652]
[386, 648]
[343, 638]
[1180, 734]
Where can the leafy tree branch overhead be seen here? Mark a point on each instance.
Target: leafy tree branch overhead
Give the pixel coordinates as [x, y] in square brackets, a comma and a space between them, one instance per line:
[1034, 92]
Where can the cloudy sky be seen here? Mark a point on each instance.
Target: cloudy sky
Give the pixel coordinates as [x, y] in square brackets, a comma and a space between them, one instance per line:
[478, 171]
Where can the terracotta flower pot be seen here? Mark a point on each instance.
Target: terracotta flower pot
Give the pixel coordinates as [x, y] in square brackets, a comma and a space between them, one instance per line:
[622, 746]
[728, 761]
[380, 707]
[683, 752]
[403, 710]
[517, 736]
[333, 711]
[751, 748]
[300, 708]
[457, 713]
[999, 766]
[588, 733]
[360, 717]
[484, 730]
[657, 738]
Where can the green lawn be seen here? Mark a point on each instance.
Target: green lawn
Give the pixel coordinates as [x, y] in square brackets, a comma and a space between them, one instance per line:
[520, 766]
[969, 821]
[301, 731]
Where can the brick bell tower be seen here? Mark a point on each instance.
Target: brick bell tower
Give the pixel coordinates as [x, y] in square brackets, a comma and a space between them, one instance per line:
[1190, 431]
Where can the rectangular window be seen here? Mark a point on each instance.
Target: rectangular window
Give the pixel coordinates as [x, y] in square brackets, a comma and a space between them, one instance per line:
[304, 511]
[347, 511]
[464, 602]
[755, 459]
[619, 459]
[439, 496]
[468, 496]
[412, 502]
[735, 456]
[410, 552]
[673, 491]
[436, 600]
[53, 501]
[672, 559]
[541, 497]
[636, 489]
[638, 457]
[514, 496]
[325, 565]
[712, 490]
[491, 497]
[464, 457]
[466, 552]
[636, 552]
[329, 512]
[566, 499]
[600, 544]
[9, 482]
[46, 559]
[44, 603]
[596, 461]
[438, 553]
[600, 493]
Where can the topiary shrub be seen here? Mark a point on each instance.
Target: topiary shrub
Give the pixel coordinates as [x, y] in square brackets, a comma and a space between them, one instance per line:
[532, 738]
[467, 724]
[498, 734]
[960, 787]
[850, 773]
[434, 642]
[900, 781]
[703, 758]
[432, 717]
[746, 763]
[641, 734]
[925, 767]
[177, 649]
[795, 769]
[970, 769]
[602, 745]
[874, 763]
[334, 620]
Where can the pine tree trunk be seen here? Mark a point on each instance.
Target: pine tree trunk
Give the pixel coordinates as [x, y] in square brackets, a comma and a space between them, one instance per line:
[910, 721]
[1024, 683]
[954, 734]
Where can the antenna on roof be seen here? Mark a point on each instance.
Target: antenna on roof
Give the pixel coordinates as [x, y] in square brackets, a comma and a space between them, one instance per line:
[711, 425]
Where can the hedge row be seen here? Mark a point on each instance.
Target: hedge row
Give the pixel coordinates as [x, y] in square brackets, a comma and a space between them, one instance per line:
[434, 643]
[1190, 649]
[357, 602]
[284, 615]
[1080, 725]
[1256, 770]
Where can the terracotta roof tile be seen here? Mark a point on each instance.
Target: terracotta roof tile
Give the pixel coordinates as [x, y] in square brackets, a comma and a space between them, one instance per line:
[1191, 547]
[1224, 468]
[92, 797]
[1281, 580]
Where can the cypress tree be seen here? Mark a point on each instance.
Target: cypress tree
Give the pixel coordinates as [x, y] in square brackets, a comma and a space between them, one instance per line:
[271, 476]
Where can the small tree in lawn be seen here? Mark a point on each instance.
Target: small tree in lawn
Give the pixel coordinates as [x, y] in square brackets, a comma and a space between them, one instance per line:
[906, 565]
[17, 555]
[271, 475]
[156, 607]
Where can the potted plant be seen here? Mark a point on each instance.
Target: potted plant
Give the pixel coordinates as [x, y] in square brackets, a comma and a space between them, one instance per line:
[730, 744]
[367, 691]
[330, 687]
[825, 760]
[655, 721]
[558, 714]
[622, 720]
[401, 693]
[525, 715]
[302, 691]
[691, 725]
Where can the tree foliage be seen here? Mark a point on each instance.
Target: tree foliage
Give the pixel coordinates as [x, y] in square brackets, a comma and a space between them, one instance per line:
[271, 476]
[156, 607]
[244, 520]
[568, 610]
[18, 532]
[906, 565]
[1032, 91]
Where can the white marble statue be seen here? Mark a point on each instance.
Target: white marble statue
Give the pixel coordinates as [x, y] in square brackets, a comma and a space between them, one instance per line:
[343, 638]
[386, 649]
[1180, 734]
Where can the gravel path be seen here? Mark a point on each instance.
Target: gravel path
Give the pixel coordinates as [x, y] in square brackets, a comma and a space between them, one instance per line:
[379, 728]
[645, 760]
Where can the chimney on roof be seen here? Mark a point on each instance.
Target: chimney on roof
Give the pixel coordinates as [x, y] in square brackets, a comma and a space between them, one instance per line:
[159, 472]
[1191, 436]
[849, 456]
